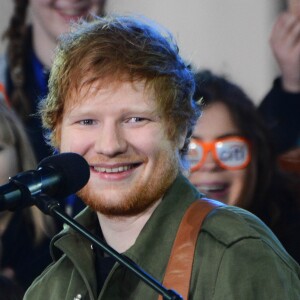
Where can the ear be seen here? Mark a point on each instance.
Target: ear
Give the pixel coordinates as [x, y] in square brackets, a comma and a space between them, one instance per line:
[56, 139]
[182, 138]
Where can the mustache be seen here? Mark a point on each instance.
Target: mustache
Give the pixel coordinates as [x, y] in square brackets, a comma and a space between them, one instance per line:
[121, 159]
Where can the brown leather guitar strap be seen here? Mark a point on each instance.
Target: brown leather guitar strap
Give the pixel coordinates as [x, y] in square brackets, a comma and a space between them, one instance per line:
[179, 268]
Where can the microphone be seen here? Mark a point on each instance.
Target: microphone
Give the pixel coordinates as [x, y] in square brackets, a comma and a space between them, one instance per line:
[58, 176]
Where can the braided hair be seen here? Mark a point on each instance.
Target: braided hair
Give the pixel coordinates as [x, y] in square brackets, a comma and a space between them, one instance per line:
[17, 35]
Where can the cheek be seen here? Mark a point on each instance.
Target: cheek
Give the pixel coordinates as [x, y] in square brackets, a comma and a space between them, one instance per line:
[40, 8]
[9, 166]
[193, 176]
[44, 2]
[96, 6]
[240, 174]
[71, 141]
[155, 147]
[238, 178]
[240, 188]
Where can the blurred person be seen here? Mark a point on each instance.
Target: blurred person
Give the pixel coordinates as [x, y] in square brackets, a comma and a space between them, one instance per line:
[32, 37]
[24, 71]
[232, 159]
[281, 106]
[122, 97]
[25, 234]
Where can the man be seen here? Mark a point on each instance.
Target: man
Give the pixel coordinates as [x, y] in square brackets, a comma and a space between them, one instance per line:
[121, 96]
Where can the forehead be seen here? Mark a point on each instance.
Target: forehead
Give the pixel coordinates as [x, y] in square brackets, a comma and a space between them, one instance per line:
[111, 93]
[216, 121]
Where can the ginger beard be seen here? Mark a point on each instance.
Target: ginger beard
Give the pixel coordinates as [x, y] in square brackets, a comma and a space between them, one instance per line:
[140, 195]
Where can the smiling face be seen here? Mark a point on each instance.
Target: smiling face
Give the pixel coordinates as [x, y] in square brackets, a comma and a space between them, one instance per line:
[118, 131]
[235, 187]
[53, 17]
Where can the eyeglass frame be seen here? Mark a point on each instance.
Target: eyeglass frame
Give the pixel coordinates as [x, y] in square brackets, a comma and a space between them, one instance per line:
[211, 147]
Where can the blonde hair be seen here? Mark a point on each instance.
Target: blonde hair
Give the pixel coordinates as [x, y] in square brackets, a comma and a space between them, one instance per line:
[12, 133]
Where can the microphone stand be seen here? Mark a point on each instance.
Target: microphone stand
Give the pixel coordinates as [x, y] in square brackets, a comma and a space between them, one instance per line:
[52, 207]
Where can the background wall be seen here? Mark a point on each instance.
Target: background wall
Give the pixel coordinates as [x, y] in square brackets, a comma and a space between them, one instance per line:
[227, 36]
[5, 12]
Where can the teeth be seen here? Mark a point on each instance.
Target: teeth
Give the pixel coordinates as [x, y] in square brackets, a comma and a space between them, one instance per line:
[72, 13]
[211, 188]
[112, 170]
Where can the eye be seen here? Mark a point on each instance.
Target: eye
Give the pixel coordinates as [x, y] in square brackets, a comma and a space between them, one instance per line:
[136, 120]
[87, 122]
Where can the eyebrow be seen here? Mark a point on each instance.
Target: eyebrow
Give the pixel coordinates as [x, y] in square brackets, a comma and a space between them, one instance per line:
[230, 134]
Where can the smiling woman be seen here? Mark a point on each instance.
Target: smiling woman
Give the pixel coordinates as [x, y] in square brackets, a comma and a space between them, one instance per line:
[255, 183]
[214, 176]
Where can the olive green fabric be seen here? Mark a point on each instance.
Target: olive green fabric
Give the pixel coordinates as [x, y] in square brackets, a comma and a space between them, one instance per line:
[237, 257]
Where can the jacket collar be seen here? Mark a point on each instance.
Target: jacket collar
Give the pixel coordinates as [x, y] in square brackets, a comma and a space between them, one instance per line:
[153, 246]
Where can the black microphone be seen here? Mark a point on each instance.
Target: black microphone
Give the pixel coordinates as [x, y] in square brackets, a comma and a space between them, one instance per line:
[58, 176]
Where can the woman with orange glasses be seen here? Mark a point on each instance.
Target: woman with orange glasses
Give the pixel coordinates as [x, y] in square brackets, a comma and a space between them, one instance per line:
[222, 149]
[231, 159]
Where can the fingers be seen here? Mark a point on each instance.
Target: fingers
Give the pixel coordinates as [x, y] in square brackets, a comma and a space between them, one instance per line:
[285, 44]
[294, 7]
[286, 30]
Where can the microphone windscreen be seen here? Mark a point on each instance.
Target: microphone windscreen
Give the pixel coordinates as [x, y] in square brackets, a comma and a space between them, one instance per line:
[73, 169]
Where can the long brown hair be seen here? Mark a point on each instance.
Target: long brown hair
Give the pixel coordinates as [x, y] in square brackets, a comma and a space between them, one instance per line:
[18, 36]
[12, 133]
[273, 194]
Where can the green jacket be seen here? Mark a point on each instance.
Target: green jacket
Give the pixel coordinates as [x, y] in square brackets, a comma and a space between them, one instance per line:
[237, 257]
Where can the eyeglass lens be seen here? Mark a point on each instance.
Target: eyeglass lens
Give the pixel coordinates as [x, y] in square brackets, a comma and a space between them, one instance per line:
[232, 153]
[229, 153]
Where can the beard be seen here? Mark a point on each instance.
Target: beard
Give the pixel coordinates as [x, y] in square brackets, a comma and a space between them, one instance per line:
[138, 196]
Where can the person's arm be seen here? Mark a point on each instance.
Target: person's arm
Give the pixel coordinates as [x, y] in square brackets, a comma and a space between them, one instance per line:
[251, 269]
[281, 106]
[281, 111]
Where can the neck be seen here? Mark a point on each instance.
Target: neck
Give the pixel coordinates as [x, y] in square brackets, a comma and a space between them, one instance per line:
[121, 232]
[43, 45]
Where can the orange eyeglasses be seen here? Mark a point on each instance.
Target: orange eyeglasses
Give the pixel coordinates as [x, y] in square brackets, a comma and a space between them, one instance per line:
[231, 153]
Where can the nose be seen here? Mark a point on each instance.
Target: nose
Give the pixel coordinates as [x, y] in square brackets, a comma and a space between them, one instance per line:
[110, 141]
[210, 164]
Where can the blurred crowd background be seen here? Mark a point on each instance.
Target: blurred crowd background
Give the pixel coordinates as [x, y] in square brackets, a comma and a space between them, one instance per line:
[229, 37]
